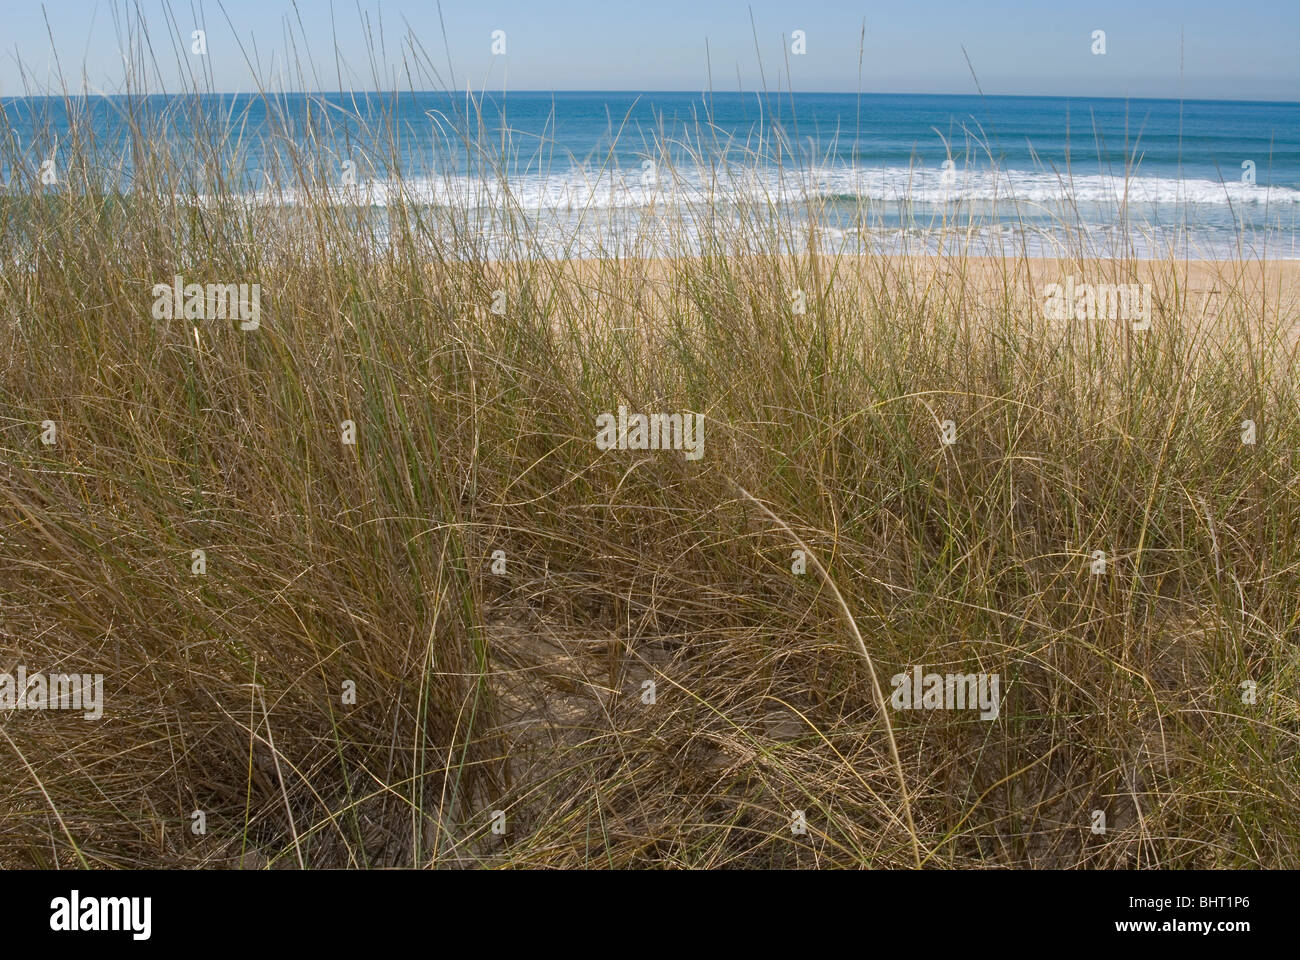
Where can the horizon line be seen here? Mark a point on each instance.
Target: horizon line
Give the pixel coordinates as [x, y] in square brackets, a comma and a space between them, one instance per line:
[484, 93]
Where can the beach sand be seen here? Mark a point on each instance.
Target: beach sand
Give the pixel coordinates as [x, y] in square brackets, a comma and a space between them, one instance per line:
[1194, 290]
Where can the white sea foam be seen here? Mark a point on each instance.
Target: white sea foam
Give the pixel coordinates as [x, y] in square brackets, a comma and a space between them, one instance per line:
[580, 213]
[580, 189]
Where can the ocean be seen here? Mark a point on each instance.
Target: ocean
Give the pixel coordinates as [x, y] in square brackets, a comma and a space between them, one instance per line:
[602, 172]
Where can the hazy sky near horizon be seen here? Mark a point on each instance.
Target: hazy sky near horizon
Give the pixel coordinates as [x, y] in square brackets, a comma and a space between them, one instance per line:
[1243, 51]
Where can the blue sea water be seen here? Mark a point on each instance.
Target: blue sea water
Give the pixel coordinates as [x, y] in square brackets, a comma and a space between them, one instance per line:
[894, 172]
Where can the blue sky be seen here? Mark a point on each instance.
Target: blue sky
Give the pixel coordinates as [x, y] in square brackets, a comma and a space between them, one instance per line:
[1229, 50]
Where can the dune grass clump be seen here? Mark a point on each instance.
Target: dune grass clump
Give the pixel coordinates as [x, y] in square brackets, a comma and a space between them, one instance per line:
[365, 591]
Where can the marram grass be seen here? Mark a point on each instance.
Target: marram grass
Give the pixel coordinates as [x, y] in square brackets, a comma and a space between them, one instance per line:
[430, 647]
